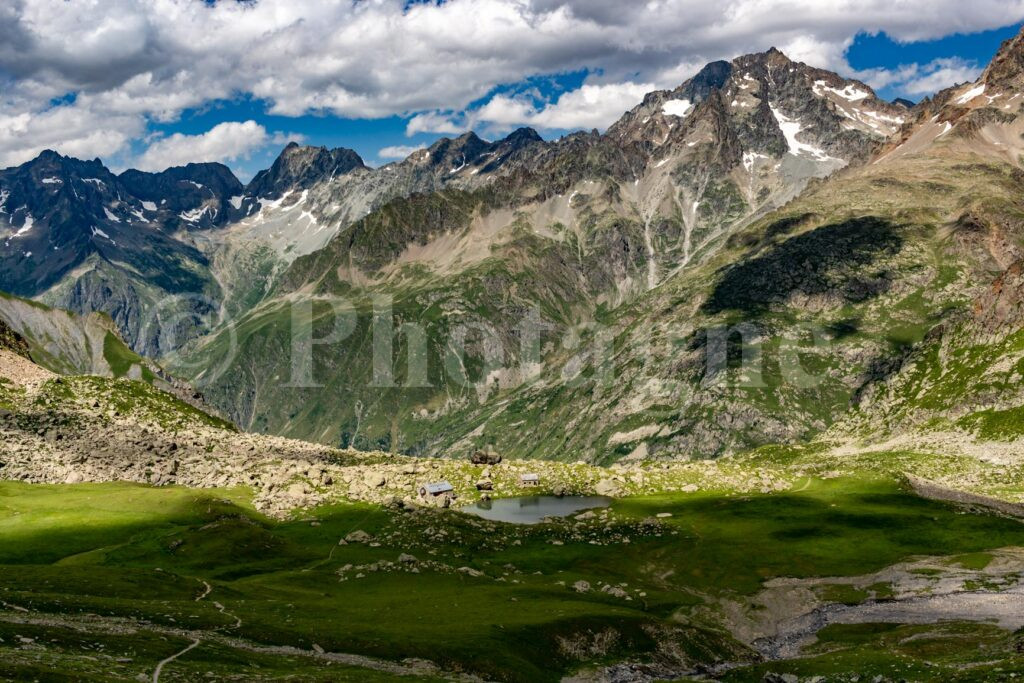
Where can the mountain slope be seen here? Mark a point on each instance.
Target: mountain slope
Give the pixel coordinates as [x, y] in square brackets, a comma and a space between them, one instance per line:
[869, 262]
[574, 229]
[75, 236]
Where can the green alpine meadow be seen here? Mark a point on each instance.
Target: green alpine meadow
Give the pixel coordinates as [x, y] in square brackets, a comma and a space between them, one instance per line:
[526, 341]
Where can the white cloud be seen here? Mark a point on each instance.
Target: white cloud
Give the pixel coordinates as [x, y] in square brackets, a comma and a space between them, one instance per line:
[225, 142]
[129, 62]
[398, 151]
[940, 74]
[69, 129]
[916, 80]
[590, 106]
[436, 122]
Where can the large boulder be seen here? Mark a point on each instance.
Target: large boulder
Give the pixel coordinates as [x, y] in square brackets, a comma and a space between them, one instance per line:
[486, 456]
[374, 479]
[358, 536]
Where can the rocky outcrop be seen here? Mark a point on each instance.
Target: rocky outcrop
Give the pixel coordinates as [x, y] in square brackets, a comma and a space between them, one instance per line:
[300, 167]
[12, 341]
[190, 197]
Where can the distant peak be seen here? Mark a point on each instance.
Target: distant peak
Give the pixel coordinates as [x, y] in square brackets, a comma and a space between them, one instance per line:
[468, 139]
[524, 135]
[302, 166]
[51, 158]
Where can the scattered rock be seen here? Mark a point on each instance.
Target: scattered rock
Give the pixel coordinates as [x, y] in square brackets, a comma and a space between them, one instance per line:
[374, 479]
[358, 536]
[486, 456]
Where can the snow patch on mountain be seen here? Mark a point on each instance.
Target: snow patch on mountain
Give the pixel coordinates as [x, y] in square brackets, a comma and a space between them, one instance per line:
[26, 226]
[194, 215]
[850, 93]
[791, 129]
[678, 108]
[750, 158]
[971, 94]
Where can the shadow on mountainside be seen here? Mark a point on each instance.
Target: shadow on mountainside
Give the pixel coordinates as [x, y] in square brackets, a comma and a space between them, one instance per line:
[832, 260]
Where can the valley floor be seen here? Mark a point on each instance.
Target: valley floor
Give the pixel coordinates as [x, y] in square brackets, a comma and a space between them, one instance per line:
[837, 578]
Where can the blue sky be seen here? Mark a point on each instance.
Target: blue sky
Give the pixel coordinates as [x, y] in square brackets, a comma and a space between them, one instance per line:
[369, 136]
[150, 85]
[366, 136]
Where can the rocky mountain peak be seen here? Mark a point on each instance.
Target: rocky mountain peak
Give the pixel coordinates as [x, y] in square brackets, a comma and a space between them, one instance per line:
[457, 152]
[199, 195]
[53, 163]
[1008, 65]
[299, 167]
[712, 77]
[522, 136]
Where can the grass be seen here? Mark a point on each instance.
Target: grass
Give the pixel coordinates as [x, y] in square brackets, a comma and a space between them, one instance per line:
[951, 651]
[120, 358]
[133, 552]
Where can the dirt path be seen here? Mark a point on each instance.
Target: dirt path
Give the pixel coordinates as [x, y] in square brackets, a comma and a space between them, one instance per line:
[126, 626]
[160, 666]
[207, 589]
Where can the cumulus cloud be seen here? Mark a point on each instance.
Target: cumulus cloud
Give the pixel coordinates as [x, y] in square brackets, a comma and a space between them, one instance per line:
[590, 106]
[398, 151]
[916, 80]
[939, 74]
[225, 142]
[129, 62]
[69, 129]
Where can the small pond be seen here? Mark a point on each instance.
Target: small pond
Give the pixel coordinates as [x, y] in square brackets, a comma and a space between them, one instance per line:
[533, 509]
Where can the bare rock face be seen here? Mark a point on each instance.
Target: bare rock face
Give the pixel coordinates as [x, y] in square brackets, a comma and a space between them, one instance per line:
[1007, 67]
[1002, 305]
[299, 167]
[12, 341]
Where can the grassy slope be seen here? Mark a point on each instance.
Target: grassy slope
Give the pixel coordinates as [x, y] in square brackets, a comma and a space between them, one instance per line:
[128, 551]
[96, 347]
[876, 258]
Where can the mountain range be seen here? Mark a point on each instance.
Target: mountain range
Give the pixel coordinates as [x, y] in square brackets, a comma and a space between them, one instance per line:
[763, 197]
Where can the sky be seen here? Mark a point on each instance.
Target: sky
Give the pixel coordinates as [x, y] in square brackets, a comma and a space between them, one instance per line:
[151, 84]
